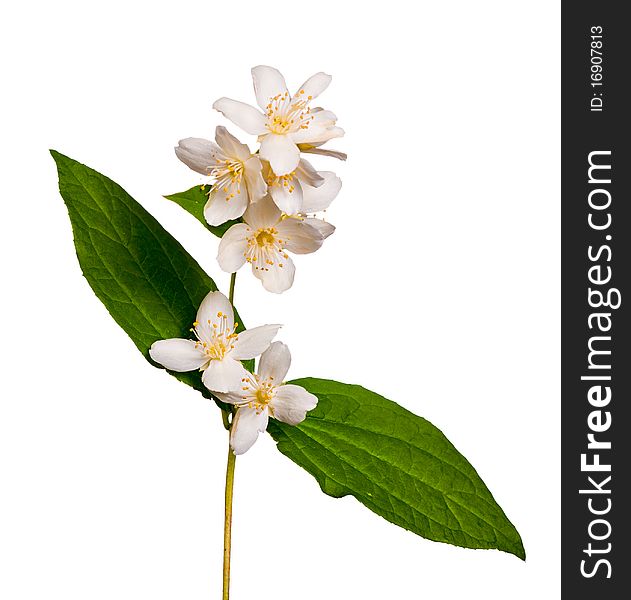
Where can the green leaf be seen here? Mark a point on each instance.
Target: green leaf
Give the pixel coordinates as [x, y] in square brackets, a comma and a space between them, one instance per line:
[193, 202]
[397, 464]
[355, 442]
[148, 282]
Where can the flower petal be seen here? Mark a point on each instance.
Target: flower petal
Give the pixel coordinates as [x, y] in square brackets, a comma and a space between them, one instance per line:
[177, 354]
[314, 86]
[324, 227]
[231, 397]
[257, 188]
[268, 82]
[198, 154]
[281, 152]
[323, 118]
[262, 214]
[230, 145]
[299, 237]
[245, 116]
[291, 403]
[252, 342]
[240, 396]
[275, 362]
[308, 175]
[311, 149]
[223, 206]
[287, 196]
[245, 428]
[317, 134]
[232, 247]
[275, 278]
[315, 199]
[224, 375]
[214, 309]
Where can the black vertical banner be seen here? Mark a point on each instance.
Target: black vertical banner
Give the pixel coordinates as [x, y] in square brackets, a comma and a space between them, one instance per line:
[596, 300]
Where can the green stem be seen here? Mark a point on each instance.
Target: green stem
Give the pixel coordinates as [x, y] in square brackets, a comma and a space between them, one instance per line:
[227, 526]
[225, 416]
[228, 523]
[233, 279]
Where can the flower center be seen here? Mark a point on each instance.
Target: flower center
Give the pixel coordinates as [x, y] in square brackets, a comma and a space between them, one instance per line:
[265, 249]
[286, 114]
[265, 237]
[286, 181]
[228, 175]
[216, 341]
[258, 393]
[217, 350]
[263, 396]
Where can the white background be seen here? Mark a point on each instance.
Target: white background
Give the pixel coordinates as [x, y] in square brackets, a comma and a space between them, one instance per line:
[440, 290]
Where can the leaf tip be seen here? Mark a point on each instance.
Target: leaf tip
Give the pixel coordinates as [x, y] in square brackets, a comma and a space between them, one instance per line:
[58, 157]
[521, 551]
[516, 547]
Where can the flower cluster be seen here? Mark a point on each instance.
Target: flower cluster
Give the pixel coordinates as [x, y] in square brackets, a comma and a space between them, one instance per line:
[274, 195]
[273, 192]
[217, 351]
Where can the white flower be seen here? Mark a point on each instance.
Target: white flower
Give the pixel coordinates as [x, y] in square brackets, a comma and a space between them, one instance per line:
[316, 199]
[302, 186]
[285, 121]
[265, 395]
[217, 349]
[236, 174]
[263, 241]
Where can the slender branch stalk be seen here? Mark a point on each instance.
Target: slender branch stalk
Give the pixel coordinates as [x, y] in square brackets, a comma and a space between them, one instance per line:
[225, 417]
[233, 279]
[227, 527]
[228, 523]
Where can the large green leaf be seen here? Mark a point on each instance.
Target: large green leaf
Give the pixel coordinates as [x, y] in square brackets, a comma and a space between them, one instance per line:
[193, 202]
[355, 442]
[397, 464]
[148, 282]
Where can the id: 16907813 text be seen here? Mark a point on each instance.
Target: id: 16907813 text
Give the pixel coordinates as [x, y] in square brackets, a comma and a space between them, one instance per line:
[596, 68]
